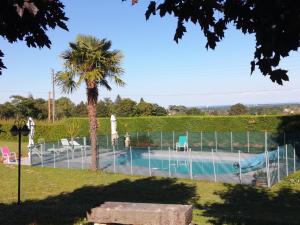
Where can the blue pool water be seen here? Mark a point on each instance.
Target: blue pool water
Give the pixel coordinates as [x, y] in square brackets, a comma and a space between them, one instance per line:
[199, 167]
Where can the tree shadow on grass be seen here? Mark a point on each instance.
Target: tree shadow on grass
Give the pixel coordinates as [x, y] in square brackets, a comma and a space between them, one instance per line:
[67, 208]
[249, 205]
[288, 132]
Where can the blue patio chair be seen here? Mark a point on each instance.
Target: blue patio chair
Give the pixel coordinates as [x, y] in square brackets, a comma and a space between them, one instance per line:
[182, 143]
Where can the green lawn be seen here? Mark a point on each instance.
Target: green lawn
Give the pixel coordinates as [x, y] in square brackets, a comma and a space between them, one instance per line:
[62, 196]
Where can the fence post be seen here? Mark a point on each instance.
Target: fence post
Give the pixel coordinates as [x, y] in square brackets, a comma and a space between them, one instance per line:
[68, 162]
[114, 152]
[201, 141]
[267, 158]
[107, 142]
[161, 140]
[187, 140]
[54, 166]
[169, 162]
[266, 141]
[216, 140]
[173, 140]
[149, 161]
[148, 137]
[248, 141]
[231, 144]
[286, 161]
[266, 162]
[213, 160]
[81, 157]
[117, 140]
[42, 155]
[240, 168]
[269, 175]
[191, 163]
[84, 141]
[130, 160]
[137, 136]
[267, 167]
[278, 165]
[72, 146]
[85, 155]
[53, 147]
[294, 159]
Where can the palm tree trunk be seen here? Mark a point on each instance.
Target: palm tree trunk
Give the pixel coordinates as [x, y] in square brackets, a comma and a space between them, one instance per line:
[92, 97]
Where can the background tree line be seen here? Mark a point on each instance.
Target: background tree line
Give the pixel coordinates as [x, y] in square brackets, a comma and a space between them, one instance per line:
[38, 108]
[126, 107]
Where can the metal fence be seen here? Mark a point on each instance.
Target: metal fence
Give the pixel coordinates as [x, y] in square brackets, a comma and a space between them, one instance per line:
[258, 158]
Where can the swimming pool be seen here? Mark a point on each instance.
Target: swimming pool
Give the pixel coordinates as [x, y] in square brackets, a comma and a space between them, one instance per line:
[140, 158]
[230, 165]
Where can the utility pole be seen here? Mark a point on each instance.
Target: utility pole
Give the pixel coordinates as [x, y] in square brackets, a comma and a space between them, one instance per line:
[53, 96]
[49, 107]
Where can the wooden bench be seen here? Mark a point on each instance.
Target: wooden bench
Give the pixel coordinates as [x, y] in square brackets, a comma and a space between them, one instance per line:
[141, 214]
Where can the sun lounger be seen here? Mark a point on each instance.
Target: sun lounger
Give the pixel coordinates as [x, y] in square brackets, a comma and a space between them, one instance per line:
[75, 144]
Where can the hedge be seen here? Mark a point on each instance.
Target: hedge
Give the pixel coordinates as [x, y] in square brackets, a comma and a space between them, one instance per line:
[60, 129]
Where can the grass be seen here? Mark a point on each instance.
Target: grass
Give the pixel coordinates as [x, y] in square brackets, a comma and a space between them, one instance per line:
[62, 196]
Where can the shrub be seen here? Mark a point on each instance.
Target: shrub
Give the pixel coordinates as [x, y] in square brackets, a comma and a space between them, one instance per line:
[59, 129]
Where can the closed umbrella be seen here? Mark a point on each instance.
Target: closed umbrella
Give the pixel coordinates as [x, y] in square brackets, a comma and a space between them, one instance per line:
[114, 133]
[30, 124]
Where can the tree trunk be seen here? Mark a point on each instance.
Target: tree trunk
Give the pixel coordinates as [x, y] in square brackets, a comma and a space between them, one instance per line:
[92, 97]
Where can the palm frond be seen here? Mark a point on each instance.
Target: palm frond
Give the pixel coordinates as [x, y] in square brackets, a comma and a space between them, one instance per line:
[66, 54]
[118, 81]
[65, 80]
[93, 75]
[105, 84]
[73, 46]
[106, 44]
[91, 60]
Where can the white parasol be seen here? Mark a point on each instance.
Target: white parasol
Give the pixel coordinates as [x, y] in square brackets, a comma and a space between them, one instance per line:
[30, 124]
[114, 133]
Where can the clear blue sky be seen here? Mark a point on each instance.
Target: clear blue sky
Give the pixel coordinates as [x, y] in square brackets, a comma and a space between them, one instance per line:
[156, 68]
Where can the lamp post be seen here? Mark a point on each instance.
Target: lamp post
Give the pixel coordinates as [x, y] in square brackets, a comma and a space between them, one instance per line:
[19, 128]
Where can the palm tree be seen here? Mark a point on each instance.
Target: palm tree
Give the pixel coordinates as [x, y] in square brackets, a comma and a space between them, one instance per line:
[89, 60]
